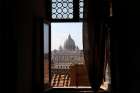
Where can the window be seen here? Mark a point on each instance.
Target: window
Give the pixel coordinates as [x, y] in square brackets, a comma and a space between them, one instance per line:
[66, 42]
[46, 54]
[63, 11]
[67, 66]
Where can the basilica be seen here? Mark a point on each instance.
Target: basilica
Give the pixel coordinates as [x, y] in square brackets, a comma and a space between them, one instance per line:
[68, 55]
[65, 63]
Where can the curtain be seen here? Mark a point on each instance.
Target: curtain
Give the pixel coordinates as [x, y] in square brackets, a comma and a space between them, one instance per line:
[107, 73]
[94, 40]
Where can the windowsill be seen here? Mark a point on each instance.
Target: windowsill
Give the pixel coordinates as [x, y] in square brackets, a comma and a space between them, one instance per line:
[88, 87]
[72, 90]
[68, 90]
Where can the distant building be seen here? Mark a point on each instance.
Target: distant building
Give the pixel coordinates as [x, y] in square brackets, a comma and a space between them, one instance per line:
[66, 63]
[67, 55]
[68, 67]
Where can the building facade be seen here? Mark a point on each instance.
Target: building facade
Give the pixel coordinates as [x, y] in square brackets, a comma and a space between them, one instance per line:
[67, 56]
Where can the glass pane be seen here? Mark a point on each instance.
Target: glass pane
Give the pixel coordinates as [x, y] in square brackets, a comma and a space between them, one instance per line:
[46, 57]
[67, 60]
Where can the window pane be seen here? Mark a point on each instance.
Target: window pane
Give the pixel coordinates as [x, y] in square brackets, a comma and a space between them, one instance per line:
[46, 51]
[81, 8]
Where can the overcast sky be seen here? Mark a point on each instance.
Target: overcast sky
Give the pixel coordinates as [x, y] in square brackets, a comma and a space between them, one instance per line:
[60, 32]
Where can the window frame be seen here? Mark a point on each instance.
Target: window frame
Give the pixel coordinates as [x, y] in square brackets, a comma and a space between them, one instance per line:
[48, 19]
[49, 48]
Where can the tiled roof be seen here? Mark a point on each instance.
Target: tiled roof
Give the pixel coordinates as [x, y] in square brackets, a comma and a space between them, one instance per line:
[60, 80]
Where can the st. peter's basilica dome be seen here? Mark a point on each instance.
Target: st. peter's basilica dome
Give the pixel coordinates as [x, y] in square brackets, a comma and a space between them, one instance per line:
[69, 44]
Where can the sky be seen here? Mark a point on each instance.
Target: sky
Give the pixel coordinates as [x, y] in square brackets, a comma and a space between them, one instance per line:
[60, 32]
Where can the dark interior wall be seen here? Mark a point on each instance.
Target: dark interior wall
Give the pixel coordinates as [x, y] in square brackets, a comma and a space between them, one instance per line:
[119, 47]
[134, 51]
[125, 48]
[8, 43]
[38, 67]
[40, 8]
[38, 56]
[22, 30]
[24, 16]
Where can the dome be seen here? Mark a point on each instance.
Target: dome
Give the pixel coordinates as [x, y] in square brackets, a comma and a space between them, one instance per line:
[60, 48]
[69, 44]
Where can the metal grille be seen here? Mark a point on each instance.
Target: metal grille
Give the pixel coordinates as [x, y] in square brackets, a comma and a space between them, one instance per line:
[81, 8]
[62, 9]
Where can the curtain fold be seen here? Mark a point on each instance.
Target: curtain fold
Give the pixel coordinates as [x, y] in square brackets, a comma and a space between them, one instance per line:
[94, 57]
[94, 40]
